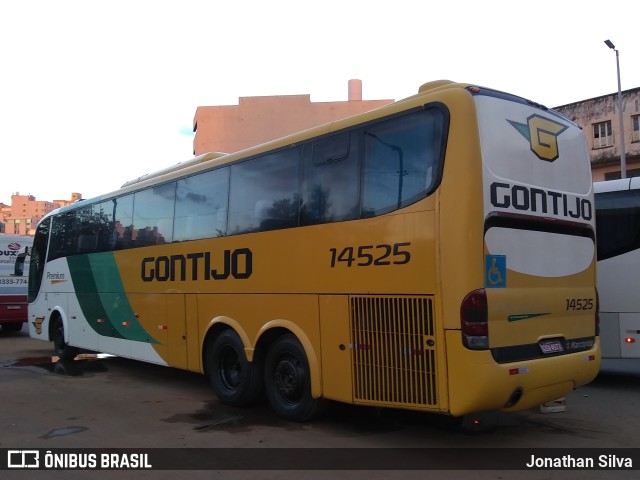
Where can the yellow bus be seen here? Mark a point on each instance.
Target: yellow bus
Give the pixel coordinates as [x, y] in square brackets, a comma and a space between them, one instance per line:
[435, 254]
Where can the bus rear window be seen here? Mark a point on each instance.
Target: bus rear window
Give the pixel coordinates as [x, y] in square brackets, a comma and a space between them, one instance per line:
[401, 161]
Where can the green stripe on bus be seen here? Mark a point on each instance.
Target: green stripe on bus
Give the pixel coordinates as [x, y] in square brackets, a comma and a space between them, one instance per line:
[91, 306]
[525, 316]
[101, 296]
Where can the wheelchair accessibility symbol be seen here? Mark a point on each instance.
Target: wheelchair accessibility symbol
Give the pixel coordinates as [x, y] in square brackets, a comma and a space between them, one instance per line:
[495, 271]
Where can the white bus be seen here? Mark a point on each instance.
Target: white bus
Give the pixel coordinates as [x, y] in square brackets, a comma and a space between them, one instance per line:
[14, 269]
[618, 238]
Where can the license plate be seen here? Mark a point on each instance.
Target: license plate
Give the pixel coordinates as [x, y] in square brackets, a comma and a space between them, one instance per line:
[553, 345]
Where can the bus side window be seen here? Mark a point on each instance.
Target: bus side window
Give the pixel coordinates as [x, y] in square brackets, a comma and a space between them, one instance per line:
[102, 218]
[264, 192]
[122, 222]
[153, 211]
[87, 243]
[401, 160]
[330, 180]
[87, 236]
[18, 268]
[63, 232]
[202, 205]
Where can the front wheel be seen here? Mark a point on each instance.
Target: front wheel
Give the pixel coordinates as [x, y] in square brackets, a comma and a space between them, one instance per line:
[63, 350]
[288, 381]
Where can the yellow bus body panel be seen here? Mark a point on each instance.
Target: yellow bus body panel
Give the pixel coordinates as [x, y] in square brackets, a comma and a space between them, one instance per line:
[494, 384]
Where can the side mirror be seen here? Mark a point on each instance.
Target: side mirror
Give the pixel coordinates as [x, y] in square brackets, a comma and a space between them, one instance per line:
[18, 268]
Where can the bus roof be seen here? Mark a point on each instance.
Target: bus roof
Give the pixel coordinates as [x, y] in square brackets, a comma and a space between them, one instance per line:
[178, 166]
[617, 185]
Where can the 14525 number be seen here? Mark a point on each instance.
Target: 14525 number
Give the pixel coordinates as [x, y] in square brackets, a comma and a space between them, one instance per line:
[370, 255]
[579, 303]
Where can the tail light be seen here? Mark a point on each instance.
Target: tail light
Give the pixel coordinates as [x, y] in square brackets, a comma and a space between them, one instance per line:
[474, 320]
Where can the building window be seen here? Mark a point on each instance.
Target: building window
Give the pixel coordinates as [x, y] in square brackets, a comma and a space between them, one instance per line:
[602, 136]
[634, 172]
[635, 135]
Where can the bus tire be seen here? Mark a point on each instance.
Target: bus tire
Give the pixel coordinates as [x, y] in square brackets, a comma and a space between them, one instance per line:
[288, 381]
[235, 380]
[62, 349]
[12, 326]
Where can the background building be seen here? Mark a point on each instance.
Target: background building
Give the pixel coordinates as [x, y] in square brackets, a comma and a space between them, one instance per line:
[255, 120]
[598, 118]
[25, 212]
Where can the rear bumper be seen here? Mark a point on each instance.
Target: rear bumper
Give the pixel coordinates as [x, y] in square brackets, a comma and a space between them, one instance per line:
[478, 383]
[12, 312]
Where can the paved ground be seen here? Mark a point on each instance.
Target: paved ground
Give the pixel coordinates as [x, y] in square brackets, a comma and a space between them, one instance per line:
[114, 402]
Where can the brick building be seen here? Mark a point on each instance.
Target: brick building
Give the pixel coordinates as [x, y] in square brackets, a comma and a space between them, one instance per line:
[24, 213]
[229, 128]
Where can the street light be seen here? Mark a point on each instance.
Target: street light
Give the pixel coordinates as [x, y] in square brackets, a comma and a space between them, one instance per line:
[623, 160]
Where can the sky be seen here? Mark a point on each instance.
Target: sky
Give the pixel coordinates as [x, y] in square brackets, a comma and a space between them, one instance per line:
[94, 93]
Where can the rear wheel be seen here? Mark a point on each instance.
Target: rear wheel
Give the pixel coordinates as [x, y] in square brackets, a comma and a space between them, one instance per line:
[12, 327]
[288, 381]
[234, 379]
[63, 350]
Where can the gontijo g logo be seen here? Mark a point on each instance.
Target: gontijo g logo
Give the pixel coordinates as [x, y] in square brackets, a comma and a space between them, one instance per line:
[542, 134]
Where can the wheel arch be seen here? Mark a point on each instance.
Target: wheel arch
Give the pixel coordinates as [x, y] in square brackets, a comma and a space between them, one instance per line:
[58, 314]
[217, 326]
[276, 328]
